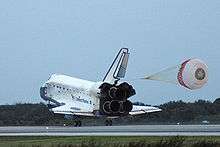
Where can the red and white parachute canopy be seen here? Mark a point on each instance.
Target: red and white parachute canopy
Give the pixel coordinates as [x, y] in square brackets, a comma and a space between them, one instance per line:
[191, 74]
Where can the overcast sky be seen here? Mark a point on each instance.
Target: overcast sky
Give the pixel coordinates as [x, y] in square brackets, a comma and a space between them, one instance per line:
[81, 38]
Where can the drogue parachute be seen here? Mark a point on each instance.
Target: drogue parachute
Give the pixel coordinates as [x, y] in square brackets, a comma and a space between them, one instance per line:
[191, 74]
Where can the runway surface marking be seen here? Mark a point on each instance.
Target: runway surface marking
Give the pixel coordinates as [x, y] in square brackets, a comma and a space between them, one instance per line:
[138, 130]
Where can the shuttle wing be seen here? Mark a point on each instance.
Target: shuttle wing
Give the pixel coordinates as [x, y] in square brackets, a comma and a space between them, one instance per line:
[138, 110]
[68, 111]
[76, 108]
[118, 67]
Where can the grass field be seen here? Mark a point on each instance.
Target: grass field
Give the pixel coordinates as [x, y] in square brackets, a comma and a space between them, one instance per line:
[110, 141]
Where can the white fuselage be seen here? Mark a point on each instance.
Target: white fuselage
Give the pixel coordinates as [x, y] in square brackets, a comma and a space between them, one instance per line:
[109, 97]
[73, 91]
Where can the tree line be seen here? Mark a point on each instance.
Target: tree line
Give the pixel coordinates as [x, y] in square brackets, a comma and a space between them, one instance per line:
[173, 112]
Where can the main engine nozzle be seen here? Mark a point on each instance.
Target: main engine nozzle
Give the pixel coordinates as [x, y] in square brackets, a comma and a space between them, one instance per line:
[117, 107]
[112, 107]
[121, 92]
[117, 93]
[106, 107]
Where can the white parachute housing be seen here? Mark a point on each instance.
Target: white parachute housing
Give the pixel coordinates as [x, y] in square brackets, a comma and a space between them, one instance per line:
[193, 74]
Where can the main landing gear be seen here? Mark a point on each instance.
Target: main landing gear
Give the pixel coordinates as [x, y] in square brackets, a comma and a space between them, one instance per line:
[108, 122]
[77, 123]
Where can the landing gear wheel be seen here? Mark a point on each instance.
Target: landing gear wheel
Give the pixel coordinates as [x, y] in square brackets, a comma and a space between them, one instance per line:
[108, 122]
[77, 123]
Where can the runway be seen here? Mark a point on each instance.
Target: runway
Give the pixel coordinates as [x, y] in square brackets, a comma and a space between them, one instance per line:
[136, 130]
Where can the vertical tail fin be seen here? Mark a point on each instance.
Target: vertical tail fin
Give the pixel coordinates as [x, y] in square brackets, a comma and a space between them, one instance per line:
[118, 67]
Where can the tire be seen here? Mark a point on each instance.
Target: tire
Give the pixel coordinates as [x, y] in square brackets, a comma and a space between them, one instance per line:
[110, 122]
[106, 123]
[79, 123]
[75, 123]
